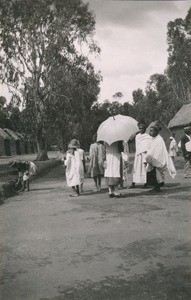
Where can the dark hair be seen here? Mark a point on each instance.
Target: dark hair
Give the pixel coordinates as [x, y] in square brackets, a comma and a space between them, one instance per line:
[156, 128]
[141, 123]
[94, 138]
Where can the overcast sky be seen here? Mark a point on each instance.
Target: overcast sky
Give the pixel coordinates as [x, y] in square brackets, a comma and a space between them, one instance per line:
[132, 38]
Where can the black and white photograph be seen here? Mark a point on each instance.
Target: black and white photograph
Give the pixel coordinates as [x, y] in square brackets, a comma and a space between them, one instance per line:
[95, 150]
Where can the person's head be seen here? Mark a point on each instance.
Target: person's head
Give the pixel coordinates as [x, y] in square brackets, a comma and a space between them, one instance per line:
[142, 127]
[187, 130]
[94, 138]
[78, 143]
[154, 131]
[74, 144]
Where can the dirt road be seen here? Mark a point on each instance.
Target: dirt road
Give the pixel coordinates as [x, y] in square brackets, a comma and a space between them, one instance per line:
[137, 247]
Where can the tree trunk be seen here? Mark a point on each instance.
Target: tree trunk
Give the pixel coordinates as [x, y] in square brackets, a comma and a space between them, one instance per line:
[41, 146]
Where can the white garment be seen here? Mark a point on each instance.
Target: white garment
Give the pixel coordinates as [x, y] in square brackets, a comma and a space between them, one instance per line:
[139, 171]
[32, 168]
[112, 161]
[173, 148]
[82, 156]
[188, 146]
[26, 176]
[158, 156]
[74, 168]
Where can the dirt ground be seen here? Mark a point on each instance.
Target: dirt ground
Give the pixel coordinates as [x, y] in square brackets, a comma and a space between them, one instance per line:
[137, 247]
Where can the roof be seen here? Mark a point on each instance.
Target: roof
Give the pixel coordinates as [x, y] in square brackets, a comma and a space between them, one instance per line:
[157, 123]
[20, 135]
[11, 134]
[182, 117]
[4, 135]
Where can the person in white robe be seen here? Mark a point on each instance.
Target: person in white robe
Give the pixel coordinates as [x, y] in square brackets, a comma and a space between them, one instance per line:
[74, 167]
[96, 166]
[158, 160]
[173, 148]
[139, 173]
[113, 167]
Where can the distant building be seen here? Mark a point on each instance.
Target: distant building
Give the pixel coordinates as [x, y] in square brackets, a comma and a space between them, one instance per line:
[180, 120]
[15, 141]
[5, 143]
[22, 143]
[164, 131]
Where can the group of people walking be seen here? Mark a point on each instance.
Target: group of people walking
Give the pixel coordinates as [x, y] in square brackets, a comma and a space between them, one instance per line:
[152, 160]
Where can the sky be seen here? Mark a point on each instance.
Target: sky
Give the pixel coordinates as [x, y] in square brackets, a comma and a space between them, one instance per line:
[132, 37]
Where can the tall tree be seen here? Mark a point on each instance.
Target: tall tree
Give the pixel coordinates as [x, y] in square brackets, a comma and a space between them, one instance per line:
[179, 59]
[2, 112]
[158, 101]
[39, 44]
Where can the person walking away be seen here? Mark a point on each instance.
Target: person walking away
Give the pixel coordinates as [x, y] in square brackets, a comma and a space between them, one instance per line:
[74, 167]
[112, 167]
[173, 148]
[83, 170]
[139, 173]
[186, 150]
[96, 166]
[157, 161]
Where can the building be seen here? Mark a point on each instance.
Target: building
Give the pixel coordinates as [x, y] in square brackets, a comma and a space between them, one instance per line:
[180, 120]
[22, 143]
[5, 143]
[14, 140]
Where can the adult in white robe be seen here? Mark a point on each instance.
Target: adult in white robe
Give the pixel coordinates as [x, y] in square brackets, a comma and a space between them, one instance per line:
[158, 159]
[112, 167]
[139, 173]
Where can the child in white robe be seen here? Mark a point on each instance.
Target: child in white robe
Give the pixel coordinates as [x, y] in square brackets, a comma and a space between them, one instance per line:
[74, 167]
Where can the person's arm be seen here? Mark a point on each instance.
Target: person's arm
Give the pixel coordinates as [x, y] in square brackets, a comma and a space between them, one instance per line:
[84, 162]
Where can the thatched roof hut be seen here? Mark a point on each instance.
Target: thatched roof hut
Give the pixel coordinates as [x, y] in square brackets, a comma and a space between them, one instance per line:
[22, 142]
[180, 120]
[15, 141]
[5, 147]
[182, 117]
[164, 131]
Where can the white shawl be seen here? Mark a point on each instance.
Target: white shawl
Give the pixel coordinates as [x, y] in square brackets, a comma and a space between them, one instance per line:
[142, 141]
[158, 156]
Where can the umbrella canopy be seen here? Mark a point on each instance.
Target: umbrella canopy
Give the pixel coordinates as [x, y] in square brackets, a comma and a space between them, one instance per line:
[117, 128]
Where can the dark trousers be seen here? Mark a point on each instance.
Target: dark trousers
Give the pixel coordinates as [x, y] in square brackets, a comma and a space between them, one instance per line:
[152, 179]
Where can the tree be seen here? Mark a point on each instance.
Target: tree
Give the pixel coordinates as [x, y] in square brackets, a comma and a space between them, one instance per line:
[39, 42]
[179, 59]
[138, 96]
[158, 102]
[2, 112]
[118, 95]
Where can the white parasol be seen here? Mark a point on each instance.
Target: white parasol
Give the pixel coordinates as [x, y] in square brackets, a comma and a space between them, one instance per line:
[117, 128]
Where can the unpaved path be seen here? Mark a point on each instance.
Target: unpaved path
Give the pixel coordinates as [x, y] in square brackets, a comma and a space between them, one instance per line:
[92, 247]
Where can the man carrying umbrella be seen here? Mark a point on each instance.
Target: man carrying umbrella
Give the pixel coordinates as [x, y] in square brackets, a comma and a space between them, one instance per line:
[114, 131]
[112, 167]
